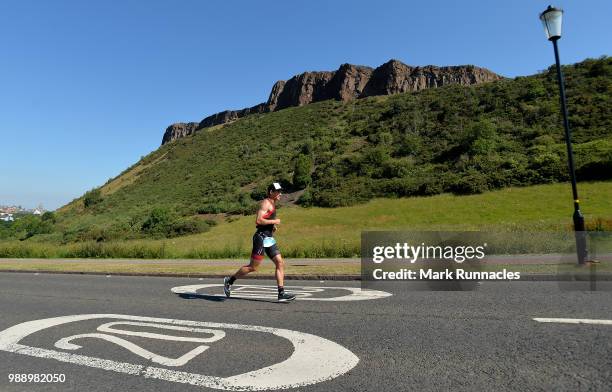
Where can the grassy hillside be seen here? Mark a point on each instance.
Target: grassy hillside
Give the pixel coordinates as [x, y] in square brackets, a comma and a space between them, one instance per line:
[332, 232]
[455, 139]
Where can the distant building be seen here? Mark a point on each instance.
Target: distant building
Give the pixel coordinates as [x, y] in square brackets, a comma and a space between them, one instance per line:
[37, 212]
[6, 217]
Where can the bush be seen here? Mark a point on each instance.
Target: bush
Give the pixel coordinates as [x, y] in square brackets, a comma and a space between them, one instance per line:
[483, 137]
[377, 156]
[348, 192]
[398, 167]
[470, 182]
[308, 147]
[49, 216]
[594, 160]
[549, 165]
[95, 233]
[210, 208]
[159, 221]
[187, 226]
[407, 186]
[305, 199]
[260, 192]
[30, 225]
[301, 172]
[92, 197]
[163, 223]
[410, 144]
[5, 229]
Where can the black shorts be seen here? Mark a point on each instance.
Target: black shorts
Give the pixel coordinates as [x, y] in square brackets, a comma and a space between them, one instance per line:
[258, 246]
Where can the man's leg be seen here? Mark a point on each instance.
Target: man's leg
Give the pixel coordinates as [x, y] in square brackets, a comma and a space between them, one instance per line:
[228, 281]
[280, 279]
[247, 269]
[280, 269]
[256, 259]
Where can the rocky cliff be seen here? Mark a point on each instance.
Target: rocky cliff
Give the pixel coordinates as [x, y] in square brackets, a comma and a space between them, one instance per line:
[178, 130]
[347, 83]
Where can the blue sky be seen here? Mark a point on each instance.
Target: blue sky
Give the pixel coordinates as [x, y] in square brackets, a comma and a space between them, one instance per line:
[88, 87]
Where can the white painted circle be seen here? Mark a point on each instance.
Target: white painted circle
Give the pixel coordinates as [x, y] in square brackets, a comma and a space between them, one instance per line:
[314, 359]
[303, 293]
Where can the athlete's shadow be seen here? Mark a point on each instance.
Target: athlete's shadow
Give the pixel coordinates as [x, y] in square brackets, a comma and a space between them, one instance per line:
[217, 298]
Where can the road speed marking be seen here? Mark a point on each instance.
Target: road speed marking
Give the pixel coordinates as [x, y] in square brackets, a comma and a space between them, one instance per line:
[303, 293]
[573, 321]
[314, 359]
[180, 361]
[66, 344]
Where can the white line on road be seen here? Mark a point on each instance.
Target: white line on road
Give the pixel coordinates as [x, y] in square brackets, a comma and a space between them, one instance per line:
[303, 293]
[573, 321]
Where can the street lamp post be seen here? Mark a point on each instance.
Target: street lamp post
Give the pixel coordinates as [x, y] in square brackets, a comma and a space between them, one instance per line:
[551, 19]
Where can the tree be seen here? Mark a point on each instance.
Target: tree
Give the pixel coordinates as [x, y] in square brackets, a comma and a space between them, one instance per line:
[29, 226]
[48, 216]
[158, 222]
[301, 172]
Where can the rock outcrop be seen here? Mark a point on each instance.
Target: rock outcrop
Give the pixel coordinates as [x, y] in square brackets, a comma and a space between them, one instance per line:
[347, 83]
[231, 115]
[179, 130]
[395, 77]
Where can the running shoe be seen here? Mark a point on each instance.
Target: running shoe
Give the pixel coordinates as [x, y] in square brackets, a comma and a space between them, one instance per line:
[285, 297]
[227, 288]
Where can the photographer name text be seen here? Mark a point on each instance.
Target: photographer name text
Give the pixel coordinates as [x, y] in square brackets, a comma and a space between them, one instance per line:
[447, 274]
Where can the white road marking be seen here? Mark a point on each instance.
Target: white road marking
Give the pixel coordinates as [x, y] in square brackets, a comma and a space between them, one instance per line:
[573, 321]
[216, 335]
[314, 359]
[303, 293]
[146, 354]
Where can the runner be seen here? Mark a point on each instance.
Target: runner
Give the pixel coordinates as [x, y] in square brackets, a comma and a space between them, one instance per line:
[263, 240]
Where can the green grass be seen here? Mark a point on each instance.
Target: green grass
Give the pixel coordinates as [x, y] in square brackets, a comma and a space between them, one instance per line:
[335, 232]
[175, 268]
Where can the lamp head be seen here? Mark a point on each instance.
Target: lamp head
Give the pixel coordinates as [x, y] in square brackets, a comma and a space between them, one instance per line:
[551, 19]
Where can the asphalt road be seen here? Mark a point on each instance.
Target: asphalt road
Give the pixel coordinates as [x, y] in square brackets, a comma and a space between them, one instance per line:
[412, 340]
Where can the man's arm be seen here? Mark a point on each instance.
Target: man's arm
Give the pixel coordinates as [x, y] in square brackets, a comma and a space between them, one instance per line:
[263, 210]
